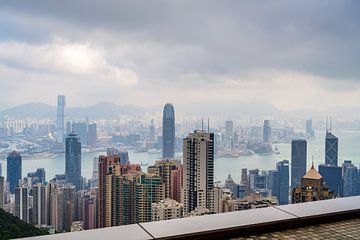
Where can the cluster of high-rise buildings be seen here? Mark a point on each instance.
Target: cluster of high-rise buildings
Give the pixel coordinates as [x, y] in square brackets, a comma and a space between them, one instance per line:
[121, 193]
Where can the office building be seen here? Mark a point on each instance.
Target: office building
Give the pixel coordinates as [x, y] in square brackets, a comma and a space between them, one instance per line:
[229, 133]
[232, 186]
[310, 132]
[298, 161]
[14, 168]
[81, 128]
[331, 149]
[60, 123]
[244, 179]
[168, 131]
[73, 160]
[332, 176]
[350, 179]
[92, 135]
[198, 171]
[166, 209]
[312, 188]
[266, 131]
[152, 131]
[280, 182]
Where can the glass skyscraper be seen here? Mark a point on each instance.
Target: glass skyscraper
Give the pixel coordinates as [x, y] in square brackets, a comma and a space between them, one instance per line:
[14, 163]
[73, 159]
[280, 182]
[60, 123]
[331, 149]
[332, 176]
[168, 133]
[266, 131]
[298, 161]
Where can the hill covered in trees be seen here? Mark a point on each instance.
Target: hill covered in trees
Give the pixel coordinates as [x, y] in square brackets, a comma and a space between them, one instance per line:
[12, 227]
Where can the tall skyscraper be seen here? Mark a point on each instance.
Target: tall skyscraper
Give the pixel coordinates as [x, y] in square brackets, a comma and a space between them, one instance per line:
[14, 167]
[244, 179]
[152, 131]
[229, 133]
[266, 132]
[298, 161]
[22, 202]
[332, 176]
[168, 131]
[73, 160]
[198, 171]
[350, 179]
[312, 188]
[60, 123]
[331, 149]
[280, 182]
[92, 135]
[309, 128]
[41, 207]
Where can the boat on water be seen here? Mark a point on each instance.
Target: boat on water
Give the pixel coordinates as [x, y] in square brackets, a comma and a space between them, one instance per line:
[276, 150]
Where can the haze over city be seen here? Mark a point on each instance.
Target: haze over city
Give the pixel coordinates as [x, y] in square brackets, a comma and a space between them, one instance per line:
[287, 54]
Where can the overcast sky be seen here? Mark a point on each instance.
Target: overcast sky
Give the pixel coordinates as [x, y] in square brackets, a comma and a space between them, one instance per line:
[292, 54]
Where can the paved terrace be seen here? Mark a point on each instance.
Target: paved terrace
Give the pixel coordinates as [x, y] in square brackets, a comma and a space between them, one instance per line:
[327, 219]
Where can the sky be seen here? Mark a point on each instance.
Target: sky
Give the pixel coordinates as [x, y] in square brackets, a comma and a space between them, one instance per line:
[291, 54]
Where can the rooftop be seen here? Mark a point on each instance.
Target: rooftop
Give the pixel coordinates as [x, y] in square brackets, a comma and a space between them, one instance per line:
[312, 174]
[337, 218]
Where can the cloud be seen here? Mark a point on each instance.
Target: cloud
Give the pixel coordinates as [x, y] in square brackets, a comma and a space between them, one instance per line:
[290, 54]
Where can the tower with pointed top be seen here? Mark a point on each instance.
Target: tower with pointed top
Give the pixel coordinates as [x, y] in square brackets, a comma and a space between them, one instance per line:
[312, 188]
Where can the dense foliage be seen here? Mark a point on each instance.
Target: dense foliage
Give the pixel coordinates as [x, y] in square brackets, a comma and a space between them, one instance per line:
[12, 227]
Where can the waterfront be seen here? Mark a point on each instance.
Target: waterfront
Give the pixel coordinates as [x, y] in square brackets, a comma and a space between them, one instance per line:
[349, 149]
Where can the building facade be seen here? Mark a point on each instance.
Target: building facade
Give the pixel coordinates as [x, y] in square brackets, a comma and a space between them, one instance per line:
[298, 161]
[14, 167]
[73, 160]
[168, 131]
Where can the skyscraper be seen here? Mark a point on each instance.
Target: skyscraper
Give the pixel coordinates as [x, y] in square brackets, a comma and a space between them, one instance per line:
[14, 163]
[298, 161]
[168, 134]
[60, 123]
[350, 179]
[92, 135]
[309, 128]
[229, 133]
[331, 149]
[152, 131]
[280, 182]
[332, 177]
[266, 131]
[244, 179]
[73, 159]
[41, 207]
[312, 188]
[2, 191]
[22, 202]
[198, 171]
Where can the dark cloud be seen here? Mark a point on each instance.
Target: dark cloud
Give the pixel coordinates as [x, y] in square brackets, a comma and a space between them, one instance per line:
[174, 43]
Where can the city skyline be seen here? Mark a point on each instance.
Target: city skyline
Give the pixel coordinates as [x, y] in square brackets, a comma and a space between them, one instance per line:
[290, 61]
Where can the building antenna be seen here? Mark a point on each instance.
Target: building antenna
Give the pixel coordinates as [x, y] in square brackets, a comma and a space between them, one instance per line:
[327, 119]
[330, 123]
[202, 124]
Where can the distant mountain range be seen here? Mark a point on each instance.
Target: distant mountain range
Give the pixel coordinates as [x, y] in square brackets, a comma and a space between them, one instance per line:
[108, 110]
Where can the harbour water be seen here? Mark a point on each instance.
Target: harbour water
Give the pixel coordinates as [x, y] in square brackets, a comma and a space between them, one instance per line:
[349, 149]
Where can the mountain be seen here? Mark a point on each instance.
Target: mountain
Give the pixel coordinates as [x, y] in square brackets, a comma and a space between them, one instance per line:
[34, 110]
[103, 110]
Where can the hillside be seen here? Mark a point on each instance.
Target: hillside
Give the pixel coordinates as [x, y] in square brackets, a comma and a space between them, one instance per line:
[12, 227]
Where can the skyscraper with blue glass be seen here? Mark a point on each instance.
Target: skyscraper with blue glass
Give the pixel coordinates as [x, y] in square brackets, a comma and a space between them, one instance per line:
[298, 161]
[73, 159]
[331, 149]
[280, 182]
[14, 163]
[168, 133]
[332, 176]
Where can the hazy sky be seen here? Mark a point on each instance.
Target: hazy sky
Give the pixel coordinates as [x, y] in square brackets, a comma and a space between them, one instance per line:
[292, 54]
